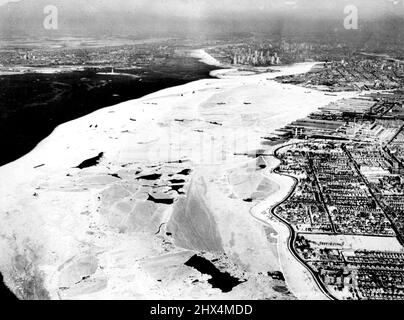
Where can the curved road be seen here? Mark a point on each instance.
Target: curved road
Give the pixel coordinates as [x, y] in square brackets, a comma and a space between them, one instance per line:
[293, 234]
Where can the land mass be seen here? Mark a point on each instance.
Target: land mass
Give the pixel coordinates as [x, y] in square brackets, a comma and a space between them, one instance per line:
[168, 195]
[118, 235]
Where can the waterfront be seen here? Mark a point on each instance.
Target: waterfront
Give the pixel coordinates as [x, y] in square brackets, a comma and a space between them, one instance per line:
[184, 115]
[32, 105]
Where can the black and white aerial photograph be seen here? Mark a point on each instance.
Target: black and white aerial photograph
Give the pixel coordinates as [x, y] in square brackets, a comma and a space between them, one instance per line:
[199, 150]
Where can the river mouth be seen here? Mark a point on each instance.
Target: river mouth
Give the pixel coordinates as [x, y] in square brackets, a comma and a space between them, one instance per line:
[220, 280]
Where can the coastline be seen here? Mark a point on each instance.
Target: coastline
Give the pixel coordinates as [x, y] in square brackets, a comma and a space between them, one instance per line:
[202, 106]
[299, 277]
[49, 100]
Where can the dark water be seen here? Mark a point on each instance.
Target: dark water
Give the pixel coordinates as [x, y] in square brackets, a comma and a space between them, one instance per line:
[221, 280]
[33, 105]
[5, 294]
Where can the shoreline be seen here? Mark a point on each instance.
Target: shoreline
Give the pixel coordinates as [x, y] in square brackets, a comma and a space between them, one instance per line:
[49, 100]
[146, 140]
[42, 70]
[299, 277]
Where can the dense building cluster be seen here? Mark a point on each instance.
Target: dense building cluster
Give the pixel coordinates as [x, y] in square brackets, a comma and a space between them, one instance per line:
[256, 51]
[355, 73]
[249, 53]
[255, 58]
[355, 274]
[331, 195]
[347, 206]
[124, 56]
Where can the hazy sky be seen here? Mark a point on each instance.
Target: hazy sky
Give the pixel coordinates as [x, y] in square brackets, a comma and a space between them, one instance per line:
[215, 8]
[193, 16]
